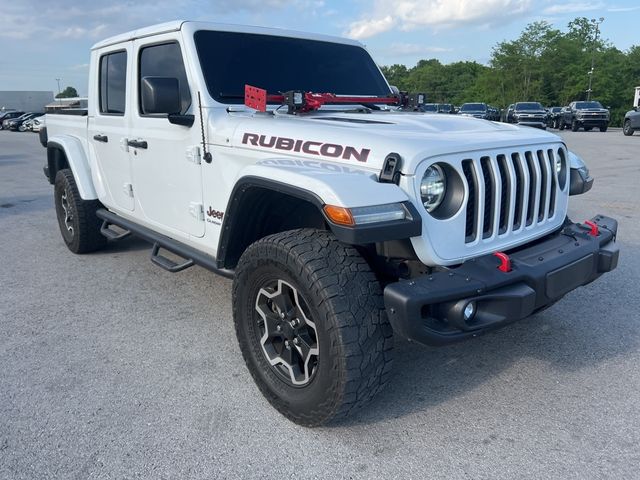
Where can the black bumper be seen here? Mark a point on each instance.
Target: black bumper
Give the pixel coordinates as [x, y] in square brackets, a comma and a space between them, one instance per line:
[430, 309]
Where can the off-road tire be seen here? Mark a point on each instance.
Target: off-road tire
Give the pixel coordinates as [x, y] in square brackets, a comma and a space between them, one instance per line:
[626, 128]
[84, 235]
[575, 126]
[344, 299]
[603, 129]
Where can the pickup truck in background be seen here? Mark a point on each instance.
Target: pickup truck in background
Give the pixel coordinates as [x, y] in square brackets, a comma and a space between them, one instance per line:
[586, 114]
[342, 224]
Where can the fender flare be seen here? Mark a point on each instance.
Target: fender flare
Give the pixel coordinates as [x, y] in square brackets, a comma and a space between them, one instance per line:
[78, 163]
[358, 235]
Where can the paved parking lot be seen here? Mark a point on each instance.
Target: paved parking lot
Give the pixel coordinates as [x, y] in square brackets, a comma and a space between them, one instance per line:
[113, 368]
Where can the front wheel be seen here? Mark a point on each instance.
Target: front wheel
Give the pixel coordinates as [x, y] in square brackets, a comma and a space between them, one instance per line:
[561, 125]
[310, 321]
[574, 126]
[626, 128]
[79, 225]
[603, 129]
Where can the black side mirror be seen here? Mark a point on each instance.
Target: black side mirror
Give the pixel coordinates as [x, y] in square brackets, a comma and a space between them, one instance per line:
[160, 95]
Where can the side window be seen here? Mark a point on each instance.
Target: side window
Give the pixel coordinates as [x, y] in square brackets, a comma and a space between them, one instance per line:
[165, 61]
[113, 83]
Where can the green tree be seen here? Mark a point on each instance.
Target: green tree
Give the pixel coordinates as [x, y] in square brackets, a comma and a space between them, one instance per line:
[68, 92]
[543, 64]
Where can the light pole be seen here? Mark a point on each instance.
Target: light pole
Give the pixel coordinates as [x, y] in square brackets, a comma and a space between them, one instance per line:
[59, 92]
[596, 24]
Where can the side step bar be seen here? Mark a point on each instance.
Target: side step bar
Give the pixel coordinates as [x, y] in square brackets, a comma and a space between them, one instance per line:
[168, 264]
[190, 254]
[112, 234]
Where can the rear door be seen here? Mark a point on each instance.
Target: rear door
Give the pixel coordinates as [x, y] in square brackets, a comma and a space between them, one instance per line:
[167, 176]
[108, 124]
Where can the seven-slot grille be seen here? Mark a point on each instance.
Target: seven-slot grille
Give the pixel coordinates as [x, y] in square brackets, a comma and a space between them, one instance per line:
[510, 191]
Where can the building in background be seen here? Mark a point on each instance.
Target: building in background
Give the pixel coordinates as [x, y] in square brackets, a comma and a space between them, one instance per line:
[26, 101]
[66, 104]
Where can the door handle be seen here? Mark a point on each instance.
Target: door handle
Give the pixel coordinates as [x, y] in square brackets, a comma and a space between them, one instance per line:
[137, 143]
[101, 138]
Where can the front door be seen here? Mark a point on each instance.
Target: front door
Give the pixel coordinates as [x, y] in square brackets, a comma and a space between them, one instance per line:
[167, 180]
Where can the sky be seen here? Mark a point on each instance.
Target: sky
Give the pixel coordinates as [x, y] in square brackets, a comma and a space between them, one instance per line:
[42, 40]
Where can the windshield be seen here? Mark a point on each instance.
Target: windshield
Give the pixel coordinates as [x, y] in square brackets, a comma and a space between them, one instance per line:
[528, 106]
[229, 60]
[473, 107]
[580, 105]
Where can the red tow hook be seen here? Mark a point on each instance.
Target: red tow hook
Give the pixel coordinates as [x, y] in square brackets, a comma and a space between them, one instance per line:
[595, 231]
[505, 262]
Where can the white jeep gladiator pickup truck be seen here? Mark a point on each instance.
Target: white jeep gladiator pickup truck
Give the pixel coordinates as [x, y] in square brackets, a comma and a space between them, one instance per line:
[344, 218]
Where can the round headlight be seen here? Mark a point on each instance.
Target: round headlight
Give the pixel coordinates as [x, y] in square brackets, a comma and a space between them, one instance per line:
[558, 164]
[433, 187]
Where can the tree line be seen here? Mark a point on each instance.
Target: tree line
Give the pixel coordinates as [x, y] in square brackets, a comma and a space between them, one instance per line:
[543, 64]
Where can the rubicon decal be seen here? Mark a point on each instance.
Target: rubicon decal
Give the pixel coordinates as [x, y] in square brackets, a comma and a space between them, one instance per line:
[330, 150]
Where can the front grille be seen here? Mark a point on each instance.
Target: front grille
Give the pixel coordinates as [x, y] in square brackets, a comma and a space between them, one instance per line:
[509, 192]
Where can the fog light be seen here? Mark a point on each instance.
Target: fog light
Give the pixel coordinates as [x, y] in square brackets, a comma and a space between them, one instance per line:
[469, 311]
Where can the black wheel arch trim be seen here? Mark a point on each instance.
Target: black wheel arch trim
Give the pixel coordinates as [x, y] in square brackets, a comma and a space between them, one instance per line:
[53, 162]
[358, 235]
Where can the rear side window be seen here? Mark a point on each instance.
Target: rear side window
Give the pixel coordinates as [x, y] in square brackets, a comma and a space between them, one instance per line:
[113, 83]
[165, 60]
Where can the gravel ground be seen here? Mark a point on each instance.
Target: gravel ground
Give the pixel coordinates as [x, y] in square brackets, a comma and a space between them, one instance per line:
[113, 368]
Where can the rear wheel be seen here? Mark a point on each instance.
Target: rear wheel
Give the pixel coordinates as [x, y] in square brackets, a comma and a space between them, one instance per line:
[79, 225]
[626, 128]
[311, 325]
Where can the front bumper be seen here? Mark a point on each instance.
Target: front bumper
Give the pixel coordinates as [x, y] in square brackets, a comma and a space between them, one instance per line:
[430, 309]
[593, 122]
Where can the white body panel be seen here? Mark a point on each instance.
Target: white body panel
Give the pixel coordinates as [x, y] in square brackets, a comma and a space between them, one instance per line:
[166, 185]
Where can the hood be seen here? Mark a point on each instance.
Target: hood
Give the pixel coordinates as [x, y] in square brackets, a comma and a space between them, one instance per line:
[363, 140]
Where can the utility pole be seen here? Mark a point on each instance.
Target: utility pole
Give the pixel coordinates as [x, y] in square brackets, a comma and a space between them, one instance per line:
[596, 24]
[59, 92]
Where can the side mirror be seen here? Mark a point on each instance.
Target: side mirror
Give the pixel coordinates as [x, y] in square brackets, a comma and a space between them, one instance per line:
[160, 95]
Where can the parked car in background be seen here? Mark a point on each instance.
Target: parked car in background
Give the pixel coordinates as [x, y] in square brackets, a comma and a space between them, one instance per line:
[531, 114]
[9, 116]
[508, 114]
[631, 121]
[476, 110]
[446, 108]
[429, 107]
[16, 123]
[28, 124]
[553, 117]
[494, 113]
[38, 123]
[587, 115]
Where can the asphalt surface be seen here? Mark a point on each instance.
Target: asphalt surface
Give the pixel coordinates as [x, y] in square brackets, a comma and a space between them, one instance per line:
[113, 368]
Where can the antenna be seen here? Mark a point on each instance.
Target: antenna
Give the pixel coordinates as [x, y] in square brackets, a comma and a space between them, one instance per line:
[206, 155]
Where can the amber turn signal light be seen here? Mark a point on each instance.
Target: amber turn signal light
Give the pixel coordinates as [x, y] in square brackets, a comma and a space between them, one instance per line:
[339, 215]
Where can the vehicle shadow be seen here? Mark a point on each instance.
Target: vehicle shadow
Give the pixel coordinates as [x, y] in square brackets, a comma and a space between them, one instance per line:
[574, 334]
